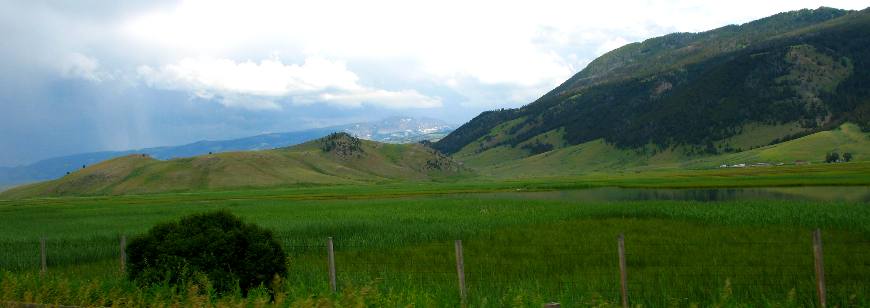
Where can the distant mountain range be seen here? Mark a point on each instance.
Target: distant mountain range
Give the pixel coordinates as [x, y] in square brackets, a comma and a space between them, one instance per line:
[390, 130]
[398, 130]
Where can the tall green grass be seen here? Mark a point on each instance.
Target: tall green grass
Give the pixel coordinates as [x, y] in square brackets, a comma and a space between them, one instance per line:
[398, 251]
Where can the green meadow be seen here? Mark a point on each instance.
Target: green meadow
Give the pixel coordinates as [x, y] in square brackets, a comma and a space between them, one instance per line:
[395, 244]
[598, 156]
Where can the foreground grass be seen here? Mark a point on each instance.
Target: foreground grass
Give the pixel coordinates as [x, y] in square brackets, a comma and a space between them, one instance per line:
[395, 247]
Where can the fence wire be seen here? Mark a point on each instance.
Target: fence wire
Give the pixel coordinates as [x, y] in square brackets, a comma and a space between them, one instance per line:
[658, 272]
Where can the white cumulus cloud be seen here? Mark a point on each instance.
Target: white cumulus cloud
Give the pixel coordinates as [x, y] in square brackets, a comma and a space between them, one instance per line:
[468, 46]
[260, 85]
[404, 98]
[77, 65]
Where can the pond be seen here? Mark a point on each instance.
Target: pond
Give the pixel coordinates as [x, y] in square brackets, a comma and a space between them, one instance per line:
[813, 193]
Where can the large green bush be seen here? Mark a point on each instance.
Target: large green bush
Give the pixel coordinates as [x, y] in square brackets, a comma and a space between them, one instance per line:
[229, 252]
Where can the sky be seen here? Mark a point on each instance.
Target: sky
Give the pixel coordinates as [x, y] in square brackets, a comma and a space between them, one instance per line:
[82, 76]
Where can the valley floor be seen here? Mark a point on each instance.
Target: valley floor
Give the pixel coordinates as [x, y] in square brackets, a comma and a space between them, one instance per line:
[395, 243]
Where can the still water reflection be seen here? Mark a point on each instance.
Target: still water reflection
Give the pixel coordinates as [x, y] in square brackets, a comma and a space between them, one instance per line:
[850, 193]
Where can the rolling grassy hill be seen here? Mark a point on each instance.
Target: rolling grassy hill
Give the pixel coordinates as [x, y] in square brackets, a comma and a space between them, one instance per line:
[342, 159]
[336, 159]
[848, 138]
[685, 96]
[389, 130]
[599, 156]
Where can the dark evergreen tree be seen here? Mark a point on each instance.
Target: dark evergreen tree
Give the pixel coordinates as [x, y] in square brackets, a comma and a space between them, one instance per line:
[832, 157]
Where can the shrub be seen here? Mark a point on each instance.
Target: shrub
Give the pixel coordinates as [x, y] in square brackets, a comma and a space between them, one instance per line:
[832, 157]
[343, 144]
[218, 245]
[847, 157]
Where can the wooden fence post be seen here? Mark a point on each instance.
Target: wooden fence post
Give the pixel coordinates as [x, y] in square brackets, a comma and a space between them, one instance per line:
[42, 256]
[623, 277]
[123, 253]
[331, 255]
[460, 272]
[820, 267]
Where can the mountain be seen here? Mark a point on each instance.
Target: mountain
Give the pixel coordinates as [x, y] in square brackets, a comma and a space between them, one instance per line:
[338, 158]
[690, 95]
[400, 130]
[390, 130]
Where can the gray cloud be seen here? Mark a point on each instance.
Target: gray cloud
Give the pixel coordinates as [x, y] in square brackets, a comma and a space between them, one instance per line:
[71, 72]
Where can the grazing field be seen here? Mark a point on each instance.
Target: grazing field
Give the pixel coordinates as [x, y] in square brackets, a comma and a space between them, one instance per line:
[844, 174]
[506, 162]
[394, 246]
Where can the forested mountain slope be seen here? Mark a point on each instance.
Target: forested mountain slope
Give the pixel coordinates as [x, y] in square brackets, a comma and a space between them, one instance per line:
[723, 91]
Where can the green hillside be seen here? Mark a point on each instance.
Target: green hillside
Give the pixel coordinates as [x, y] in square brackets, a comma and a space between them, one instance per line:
[335, 159]
[847, 138]
[689, 95]
[600, 157]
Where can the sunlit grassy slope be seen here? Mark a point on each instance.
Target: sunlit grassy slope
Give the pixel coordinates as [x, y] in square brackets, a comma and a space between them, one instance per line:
[309, 164]
[305, 164]
[600, 157]
[848, 138]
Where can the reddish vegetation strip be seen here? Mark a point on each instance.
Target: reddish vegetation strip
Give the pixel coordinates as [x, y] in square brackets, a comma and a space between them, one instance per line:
[33, 305]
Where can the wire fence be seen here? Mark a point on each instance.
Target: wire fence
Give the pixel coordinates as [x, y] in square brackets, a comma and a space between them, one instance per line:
[657, 273]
